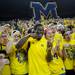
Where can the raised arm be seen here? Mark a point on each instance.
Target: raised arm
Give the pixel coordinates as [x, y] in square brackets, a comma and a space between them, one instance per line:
[22, 41]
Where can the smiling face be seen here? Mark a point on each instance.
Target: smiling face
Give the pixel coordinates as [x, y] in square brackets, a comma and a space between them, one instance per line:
[16, 36]
[39, 31]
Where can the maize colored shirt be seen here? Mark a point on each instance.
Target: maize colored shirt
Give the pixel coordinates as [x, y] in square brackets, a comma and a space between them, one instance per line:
[69, 62]
[73, 36]
[37, 56]
[6, 68]
[58, 38]
[56, 65]
[18, 65]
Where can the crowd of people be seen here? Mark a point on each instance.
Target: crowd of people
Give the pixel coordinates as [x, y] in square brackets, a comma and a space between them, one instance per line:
[45, 47]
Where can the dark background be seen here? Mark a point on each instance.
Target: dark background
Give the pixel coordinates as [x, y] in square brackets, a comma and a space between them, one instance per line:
[14, 9]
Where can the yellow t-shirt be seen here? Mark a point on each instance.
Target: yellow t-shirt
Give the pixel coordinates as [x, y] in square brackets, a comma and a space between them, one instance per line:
[73, 36]
[6, 68]
[56, 66]
[37, 57]
[58, 39]
[69, 62]
[17, 64]
[74, 63]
